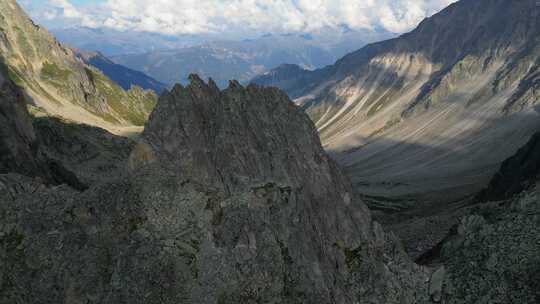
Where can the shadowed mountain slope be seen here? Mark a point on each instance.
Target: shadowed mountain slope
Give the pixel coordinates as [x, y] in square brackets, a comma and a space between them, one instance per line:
[123, 76]
[516, 174]
[431, 114]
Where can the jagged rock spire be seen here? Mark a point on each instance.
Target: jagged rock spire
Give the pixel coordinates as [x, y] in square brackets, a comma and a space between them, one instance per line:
[275, 194]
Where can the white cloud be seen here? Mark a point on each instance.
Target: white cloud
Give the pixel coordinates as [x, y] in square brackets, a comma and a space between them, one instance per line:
[250, 16]
[67, 10]
[50, 15]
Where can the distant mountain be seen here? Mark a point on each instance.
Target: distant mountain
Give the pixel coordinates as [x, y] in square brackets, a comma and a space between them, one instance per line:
[58, 83]
[111, 42]
[433, 113]
[288, 77]
[243, 60]
[123, 76]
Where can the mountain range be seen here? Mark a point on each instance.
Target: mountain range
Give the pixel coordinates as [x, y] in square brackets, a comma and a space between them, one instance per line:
[237, 194]
[125, 77]
[242, 60]
[430, 115]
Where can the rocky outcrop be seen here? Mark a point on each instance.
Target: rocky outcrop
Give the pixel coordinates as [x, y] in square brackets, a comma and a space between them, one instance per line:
[516, 174]
[230, 198]
[276, 196]
[18, 144]
[492, 255]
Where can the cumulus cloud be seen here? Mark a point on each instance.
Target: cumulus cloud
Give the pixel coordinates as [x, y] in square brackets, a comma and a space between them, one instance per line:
[221, 16]
[63, 9]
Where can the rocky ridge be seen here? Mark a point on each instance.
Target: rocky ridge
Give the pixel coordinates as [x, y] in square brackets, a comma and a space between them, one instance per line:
[230, 198]
[212, 210]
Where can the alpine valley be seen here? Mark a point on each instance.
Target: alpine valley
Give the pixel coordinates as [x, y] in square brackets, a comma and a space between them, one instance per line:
[406, 172]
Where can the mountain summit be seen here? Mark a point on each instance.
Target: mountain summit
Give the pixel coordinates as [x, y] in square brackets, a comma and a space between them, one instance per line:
[228, 196]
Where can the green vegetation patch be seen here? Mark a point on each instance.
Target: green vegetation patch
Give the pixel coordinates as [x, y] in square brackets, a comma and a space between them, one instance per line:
[52, 72]
[15, 76]
[133, 106]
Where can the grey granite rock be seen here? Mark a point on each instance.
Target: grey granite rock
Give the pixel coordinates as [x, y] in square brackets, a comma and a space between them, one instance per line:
[494, 256]
[230, 199]
[18, 144]
[93, 154]
[516, 174]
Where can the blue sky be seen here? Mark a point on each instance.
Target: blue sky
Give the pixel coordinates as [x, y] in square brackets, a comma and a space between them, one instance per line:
[233, 16]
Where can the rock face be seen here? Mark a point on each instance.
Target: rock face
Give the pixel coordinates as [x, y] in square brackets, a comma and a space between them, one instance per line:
[18, 144]
[240, 137]
[277, 202]
[230, 198]
[494, 254]
[93, 154]
[20, 149]
[424, 116]
[516, 174]
[59, 83]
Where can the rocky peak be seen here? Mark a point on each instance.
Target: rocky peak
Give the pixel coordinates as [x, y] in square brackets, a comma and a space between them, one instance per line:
[274, 189]
[467, 27]
[236, 135]
[231, 199]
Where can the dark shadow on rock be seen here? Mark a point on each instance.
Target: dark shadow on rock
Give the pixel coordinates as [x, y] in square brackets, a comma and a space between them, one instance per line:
[92, 153]
[516, 174]
[20, 149]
